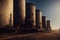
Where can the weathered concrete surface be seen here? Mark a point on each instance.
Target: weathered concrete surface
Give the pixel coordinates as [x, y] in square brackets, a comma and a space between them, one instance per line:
[53, 35]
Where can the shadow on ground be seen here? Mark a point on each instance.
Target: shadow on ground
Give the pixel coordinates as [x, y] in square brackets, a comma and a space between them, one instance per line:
[29, 38]
[21, 39]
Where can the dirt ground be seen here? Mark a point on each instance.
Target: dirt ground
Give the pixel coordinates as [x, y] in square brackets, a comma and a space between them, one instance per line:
[52, 35]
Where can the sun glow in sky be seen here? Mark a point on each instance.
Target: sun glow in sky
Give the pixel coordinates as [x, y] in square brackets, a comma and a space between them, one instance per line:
[52, 11]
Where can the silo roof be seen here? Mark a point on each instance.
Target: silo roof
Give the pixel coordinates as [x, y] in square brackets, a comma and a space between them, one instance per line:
[38, 10]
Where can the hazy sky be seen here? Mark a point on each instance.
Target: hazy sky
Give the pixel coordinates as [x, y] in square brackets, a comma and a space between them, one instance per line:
[51, 9]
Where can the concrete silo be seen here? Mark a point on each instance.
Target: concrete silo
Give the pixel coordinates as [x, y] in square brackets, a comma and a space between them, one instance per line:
[38, 20]
[48, 25]
[30, 16]
[19, 13]
[44, 23]
[6, 8]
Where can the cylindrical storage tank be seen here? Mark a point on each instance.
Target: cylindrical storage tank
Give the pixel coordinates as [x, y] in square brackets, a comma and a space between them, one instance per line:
[30, 16]
[38, 19]
[19, 12]
[44, 23]
[6, 8]
[48, 25]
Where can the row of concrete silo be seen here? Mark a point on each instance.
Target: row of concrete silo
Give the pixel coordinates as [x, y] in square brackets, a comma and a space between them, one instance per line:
[27, 17]
[46, 24]
[24, 15]
[10, 7]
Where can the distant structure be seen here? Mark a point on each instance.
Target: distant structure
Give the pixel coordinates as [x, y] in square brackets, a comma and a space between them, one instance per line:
[38, 20]
[19, 13]
[44, 23]
[6, 8]
[48, 25]
[20, 17]
[30, 21]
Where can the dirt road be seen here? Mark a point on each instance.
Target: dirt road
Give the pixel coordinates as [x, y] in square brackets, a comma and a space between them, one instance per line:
[52, 35]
